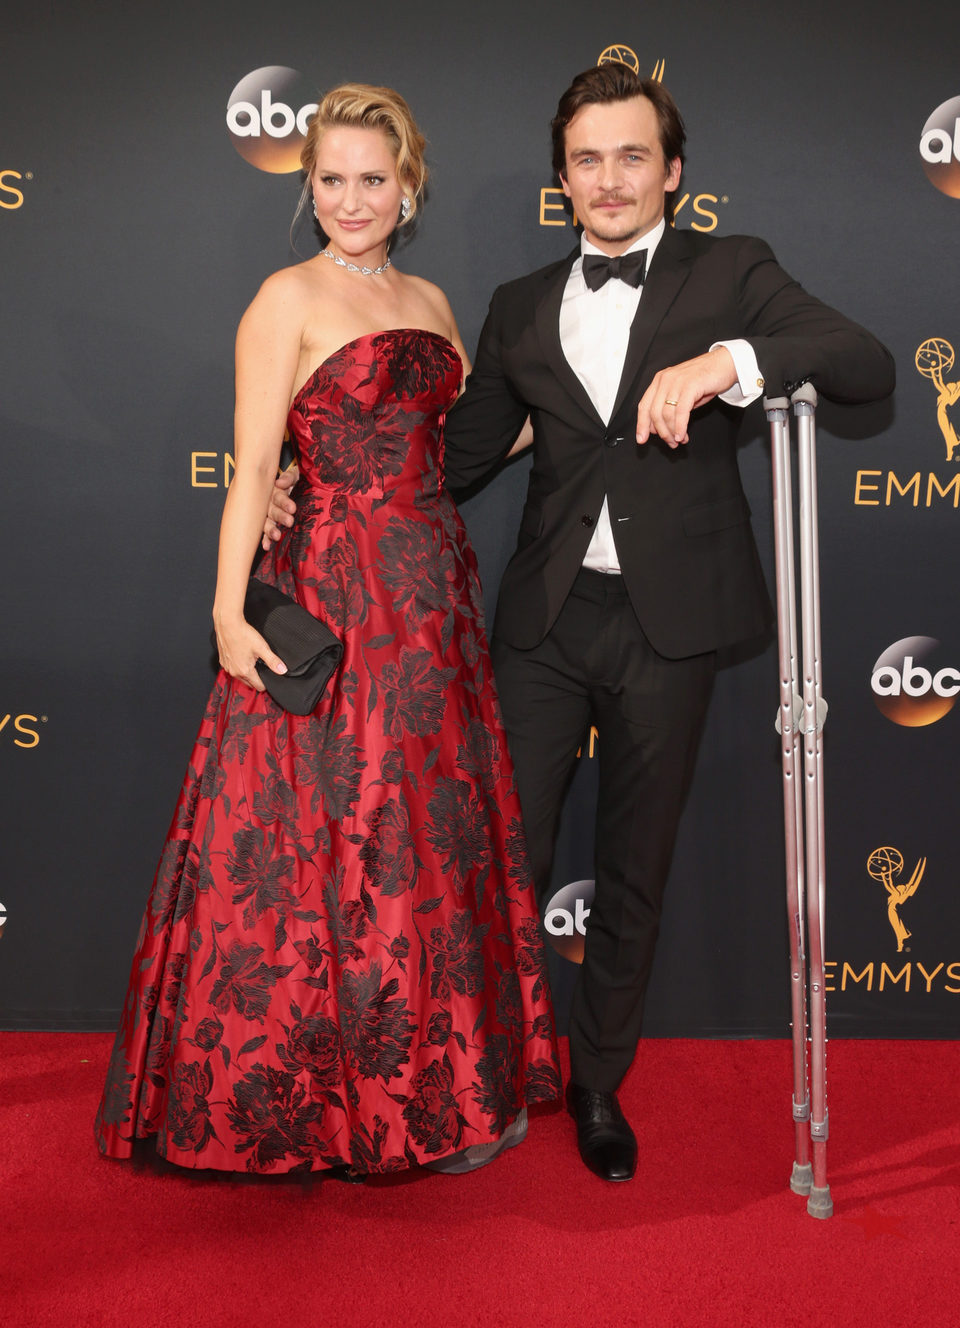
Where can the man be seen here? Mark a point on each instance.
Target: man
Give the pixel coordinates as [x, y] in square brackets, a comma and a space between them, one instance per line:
[635, 560]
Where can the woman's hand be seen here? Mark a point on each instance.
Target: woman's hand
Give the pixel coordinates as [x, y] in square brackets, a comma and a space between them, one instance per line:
[240, 647]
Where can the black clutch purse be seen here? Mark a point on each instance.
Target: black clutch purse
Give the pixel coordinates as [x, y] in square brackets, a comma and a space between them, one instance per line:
[307, 646]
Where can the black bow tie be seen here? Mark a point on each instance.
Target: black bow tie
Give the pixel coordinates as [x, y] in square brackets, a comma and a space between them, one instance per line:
[631, 268]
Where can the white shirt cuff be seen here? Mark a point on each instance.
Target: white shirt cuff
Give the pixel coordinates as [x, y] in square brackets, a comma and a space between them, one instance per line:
[749, 384]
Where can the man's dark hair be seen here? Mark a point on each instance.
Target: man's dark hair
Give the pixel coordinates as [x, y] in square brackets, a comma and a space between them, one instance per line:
[617, 82]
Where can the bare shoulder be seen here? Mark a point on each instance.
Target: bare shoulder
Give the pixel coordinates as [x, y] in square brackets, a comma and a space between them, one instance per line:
[431, 299]
[284, 290]
[426, 290]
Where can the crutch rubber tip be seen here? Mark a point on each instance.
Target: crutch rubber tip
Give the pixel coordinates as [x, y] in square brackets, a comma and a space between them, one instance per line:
[820, 1204]
[801, 1179]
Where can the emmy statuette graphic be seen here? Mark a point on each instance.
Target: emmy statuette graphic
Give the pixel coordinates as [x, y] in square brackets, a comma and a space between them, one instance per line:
[885, 864]
[933, 359]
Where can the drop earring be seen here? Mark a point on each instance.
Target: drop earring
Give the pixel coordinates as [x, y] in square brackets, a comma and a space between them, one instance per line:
[406, 207]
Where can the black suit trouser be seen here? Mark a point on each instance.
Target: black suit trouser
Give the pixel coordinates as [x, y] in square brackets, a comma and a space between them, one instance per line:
[596, 666]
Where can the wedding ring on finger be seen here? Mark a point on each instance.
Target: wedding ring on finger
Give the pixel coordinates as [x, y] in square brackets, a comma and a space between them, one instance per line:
[670, 403]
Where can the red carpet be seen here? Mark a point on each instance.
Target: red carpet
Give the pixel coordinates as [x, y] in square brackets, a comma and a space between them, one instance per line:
[707, 1234]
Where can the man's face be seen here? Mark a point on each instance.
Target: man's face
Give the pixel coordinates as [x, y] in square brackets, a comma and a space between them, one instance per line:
[616, 175]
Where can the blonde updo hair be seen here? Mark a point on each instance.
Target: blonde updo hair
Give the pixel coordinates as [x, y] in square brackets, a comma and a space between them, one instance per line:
[362, 106]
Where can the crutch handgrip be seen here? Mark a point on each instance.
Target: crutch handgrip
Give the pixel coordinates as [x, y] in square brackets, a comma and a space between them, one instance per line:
[805, 394]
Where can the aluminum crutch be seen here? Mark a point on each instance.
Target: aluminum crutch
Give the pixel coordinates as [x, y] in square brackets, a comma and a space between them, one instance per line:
[800, 721]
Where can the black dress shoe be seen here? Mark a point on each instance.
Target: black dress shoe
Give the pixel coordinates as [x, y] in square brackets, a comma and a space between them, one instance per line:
[607, 1144]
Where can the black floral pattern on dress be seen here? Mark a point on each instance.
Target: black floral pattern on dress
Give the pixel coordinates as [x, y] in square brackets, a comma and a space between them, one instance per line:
[531, 960]
[245, 983]
[208, 1034]
[388, 852]
[377, 1027]
[167, 884]
[458, 828]
[498, 1093]
[340, 586]
[263, 875]
[509, 1000]
[414, 690]
[517, 859]
[417, 565]
[348, 919]
[361, 448]
[439, 1028]
[542, 1082]
[276, 802]
[392, 768]
[190, 1124]
[300, 536]
[431, 1111]
[117, 1103]
[273, 1117]
[330, 764]
[313, 1044]
[457, 957]
[480, 755]
[411, 372]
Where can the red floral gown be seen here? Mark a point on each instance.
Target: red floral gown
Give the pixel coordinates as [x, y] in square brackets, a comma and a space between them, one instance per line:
[340, 961]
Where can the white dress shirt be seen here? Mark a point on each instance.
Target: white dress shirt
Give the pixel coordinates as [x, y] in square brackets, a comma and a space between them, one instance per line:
[594, 330]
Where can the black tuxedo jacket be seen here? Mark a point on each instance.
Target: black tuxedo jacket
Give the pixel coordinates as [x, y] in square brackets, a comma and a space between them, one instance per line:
[680, 517]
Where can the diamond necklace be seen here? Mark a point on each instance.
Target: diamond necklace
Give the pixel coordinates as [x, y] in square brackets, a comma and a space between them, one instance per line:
[352, 267]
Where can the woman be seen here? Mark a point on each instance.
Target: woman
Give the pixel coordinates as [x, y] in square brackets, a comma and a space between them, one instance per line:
[339, 964]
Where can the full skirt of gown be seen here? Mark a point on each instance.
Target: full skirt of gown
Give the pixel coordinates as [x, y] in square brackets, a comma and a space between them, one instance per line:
[340, 962]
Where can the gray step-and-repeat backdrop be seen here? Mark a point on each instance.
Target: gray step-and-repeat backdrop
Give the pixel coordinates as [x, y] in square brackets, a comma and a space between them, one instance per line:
[140, 207]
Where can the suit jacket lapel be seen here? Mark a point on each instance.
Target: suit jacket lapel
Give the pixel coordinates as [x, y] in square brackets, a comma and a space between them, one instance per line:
[669, 270]
[547, 320]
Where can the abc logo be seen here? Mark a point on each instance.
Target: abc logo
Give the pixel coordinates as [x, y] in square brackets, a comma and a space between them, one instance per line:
[265, 123]
[940, 148]
[910, 687]
[565, 919]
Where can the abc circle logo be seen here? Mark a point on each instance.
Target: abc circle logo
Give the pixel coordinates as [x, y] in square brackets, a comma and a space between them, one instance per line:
[940, 148]
[909, 687]
[267, 119]
[565, 919]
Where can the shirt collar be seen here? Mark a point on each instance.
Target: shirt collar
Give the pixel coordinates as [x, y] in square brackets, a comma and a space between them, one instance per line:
[648, 242]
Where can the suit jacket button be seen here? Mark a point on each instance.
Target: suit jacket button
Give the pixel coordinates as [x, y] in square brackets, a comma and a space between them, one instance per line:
[611, 440]
[586, 520]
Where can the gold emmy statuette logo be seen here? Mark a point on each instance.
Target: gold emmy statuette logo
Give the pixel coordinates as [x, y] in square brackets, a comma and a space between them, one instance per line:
[933, 359]
[623, 55]
[885, 864]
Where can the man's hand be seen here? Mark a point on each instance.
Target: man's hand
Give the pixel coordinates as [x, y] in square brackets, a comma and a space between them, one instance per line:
[282, 508]
[666, 405]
